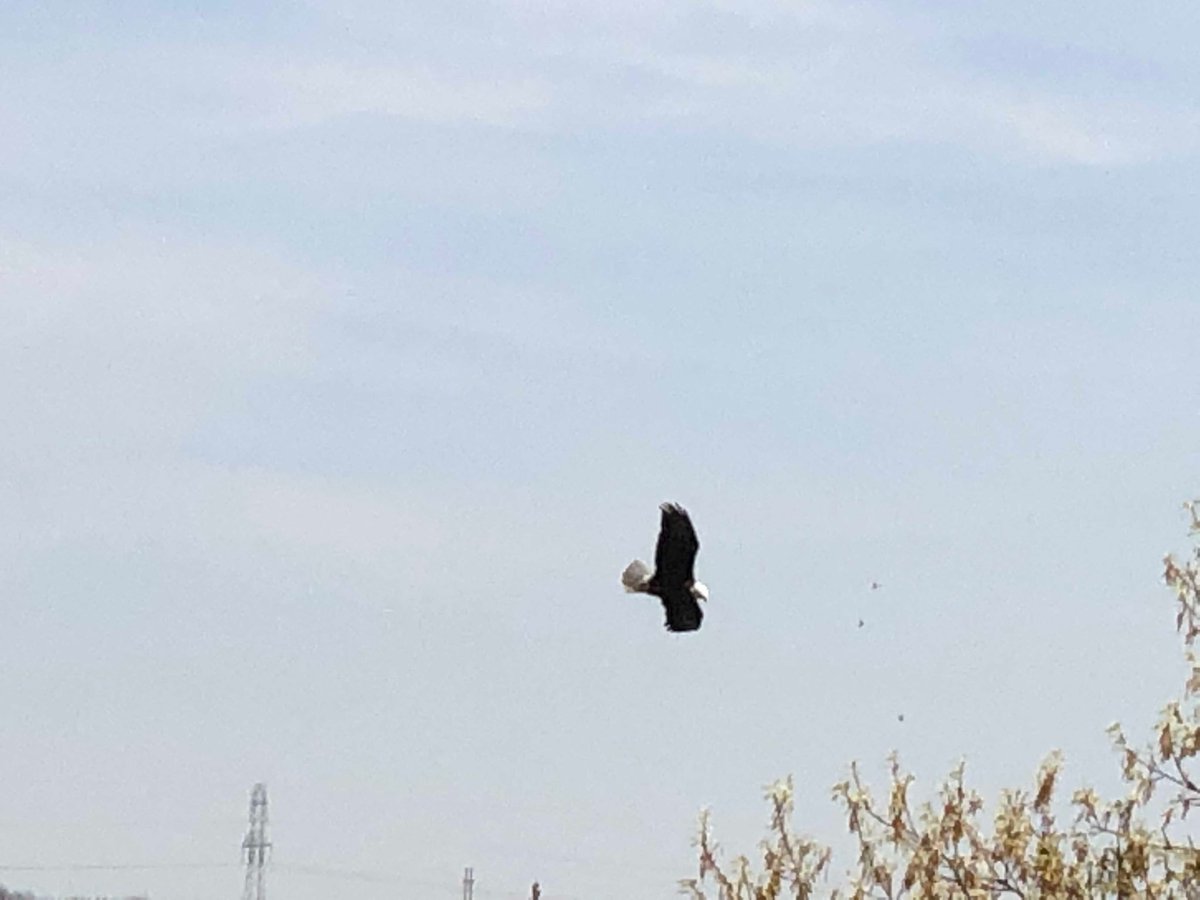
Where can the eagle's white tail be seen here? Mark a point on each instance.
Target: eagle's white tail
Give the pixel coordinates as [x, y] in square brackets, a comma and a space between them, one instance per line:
[636, 576]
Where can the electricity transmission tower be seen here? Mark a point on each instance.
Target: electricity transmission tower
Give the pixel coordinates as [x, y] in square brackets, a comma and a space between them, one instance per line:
[468, 884]
[255, 846]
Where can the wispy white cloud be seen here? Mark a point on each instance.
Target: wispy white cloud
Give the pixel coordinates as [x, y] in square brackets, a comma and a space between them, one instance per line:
[116, 355]
[308, 93]
[872, 79]
[800, 74]
[168, 318]
[112, 354]
[816, 74]
[1089, 134]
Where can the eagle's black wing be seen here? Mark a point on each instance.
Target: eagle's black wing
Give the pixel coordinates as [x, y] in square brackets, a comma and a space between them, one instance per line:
[675, 554]
[682, 609]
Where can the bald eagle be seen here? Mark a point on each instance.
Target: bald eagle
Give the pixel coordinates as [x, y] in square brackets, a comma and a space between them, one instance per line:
[672, 580]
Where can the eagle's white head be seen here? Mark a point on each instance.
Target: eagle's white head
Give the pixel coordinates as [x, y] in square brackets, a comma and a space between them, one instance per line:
[700, 590]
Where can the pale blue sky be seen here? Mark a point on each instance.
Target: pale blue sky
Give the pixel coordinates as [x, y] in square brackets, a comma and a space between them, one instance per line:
[347, 349]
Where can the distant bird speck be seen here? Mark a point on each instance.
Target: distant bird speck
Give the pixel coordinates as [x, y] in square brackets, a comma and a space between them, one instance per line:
[860, 623]
[875, 585]
[672, 580]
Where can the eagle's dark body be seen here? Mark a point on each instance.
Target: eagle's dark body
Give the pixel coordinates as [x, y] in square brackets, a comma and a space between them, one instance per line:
[673, 580]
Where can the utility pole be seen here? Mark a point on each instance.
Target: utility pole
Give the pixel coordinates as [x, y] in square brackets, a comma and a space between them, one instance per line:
[255, 846]
[468, 883]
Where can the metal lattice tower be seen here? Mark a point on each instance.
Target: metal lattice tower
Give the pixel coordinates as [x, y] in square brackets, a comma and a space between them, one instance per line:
[468, 884]
[255, 846]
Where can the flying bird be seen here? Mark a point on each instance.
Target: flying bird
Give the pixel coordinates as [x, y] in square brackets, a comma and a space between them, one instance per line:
[672, 580]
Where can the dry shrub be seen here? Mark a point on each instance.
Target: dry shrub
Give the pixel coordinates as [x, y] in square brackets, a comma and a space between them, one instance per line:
[1137, 845]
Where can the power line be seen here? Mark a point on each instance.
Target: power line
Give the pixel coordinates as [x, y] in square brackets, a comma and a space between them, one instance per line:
[382, 877]
[308, 869]
[256, 848]
[116, 867]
